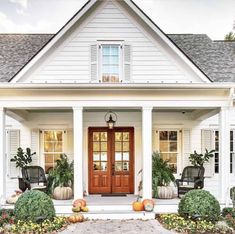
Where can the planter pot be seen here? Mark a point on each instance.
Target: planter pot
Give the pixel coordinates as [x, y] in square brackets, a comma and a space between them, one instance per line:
[62, 193]
[165, 192]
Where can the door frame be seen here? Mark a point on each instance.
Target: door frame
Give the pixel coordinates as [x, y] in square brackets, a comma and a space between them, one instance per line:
[132, 148]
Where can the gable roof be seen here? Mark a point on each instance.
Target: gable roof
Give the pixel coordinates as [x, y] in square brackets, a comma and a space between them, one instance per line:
[215, 58]
[86, 9]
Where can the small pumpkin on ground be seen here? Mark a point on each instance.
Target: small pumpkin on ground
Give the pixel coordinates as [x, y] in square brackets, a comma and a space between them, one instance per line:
[137, 205]
[78, 202]
[148, 204]
[76, 218]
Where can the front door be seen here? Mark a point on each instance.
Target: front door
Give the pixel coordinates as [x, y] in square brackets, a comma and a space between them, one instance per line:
[111, 160]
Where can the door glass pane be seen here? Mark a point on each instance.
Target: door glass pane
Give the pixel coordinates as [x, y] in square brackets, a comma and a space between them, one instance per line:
[96, 156]
[118, 156]
[125, 166]
[103, 146]
[118, 166]
[96, 136]
[103, 136]
[125, 146]
[118, 146]
[104, 156]
[96, 146]
[173, 146]
[163, 135]
[125, 156]
[125, 136]
[118, 136]
[96, 166]
[103, 166]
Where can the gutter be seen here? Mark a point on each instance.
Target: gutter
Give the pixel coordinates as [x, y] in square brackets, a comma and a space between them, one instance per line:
[119, 86]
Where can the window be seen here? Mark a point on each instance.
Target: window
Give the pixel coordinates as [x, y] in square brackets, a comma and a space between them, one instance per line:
[168, 147]
[53, 147]
[216, 142]
[110, 66]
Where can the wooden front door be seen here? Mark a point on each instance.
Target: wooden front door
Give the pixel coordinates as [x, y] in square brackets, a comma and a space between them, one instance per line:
[111, 160]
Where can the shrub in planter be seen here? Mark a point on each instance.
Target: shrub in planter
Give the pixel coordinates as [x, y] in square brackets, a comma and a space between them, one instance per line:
[34, 206]
[199, 204]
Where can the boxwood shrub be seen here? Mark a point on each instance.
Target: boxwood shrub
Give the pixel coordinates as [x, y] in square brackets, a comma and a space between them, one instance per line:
[35, 206]
[199, 204]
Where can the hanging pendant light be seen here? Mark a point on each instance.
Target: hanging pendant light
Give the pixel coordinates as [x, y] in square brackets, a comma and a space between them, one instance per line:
[110, 119]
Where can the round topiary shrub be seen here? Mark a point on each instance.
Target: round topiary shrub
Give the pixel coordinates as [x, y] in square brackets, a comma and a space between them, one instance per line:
[199, 204]
[34, 206]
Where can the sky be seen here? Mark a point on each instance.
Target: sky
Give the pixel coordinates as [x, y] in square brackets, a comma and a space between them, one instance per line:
[212, 17]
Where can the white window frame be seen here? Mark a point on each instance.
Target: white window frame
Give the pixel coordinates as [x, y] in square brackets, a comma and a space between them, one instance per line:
[179, 159]
[100, 60]
[42, 144]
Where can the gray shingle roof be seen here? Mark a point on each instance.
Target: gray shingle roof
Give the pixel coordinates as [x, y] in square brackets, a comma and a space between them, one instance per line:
[16, 50]
[215, 58]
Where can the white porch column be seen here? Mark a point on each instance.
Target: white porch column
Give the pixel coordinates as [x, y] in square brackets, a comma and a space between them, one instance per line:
[2, 155]
[78, 151]
[224, 153]
[147, 151]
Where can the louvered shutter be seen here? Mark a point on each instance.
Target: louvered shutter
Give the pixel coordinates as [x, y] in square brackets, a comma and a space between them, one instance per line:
[94, 62]
[35, 147]
[207, 135]
[127, 62]
[186, 147]
[13, 143]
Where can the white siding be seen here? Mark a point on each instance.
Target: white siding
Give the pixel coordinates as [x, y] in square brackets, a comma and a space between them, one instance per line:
[70, 61]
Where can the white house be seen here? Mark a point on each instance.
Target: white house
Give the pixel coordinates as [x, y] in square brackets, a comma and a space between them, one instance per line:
[171, 93]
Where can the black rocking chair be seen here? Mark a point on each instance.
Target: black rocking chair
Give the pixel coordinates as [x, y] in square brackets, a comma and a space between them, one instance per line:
[191, 178]
[33, 177]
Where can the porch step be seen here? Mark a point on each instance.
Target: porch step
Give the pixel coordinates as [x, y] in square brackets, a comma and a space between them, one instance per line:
[114, 214]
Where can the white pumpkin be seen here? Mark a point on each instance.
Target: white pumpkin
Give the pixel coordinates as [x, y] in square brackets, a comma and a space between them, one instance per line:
[62, 193]
[165, 192]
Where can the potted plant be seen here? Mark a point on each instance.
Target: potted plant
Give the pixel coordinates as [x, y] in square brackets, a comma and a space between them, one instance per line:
[22, 159]
[199, 159]
[162, 176]
[60, 179]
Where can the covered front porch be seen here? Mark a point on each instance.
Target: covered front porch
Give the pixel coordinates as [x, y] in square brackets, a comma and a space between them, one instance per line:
[148, 119]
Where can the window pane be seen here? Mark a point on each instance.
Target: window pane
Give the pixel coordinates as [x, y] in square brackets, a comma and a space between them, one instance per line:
[173, 146]
[58, 136]
[58, 147]
[118, 136]
[49, 147]
[173, 135]
[103, 146]
[125, 146]
[125, 166]
[103, 166]
[96, 146]
[173, 158]
[125, 136]
[217, 146]
[126, 156]
[231, 135]
[103, 136]
[114, 50]
[96, 166]
[163, 135]
[104, 156]
[118, 146]
[164, 147]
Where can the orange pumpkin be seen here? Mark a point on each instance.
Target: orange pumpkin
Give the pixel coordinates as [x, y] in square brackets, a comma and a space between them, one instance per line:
[79, 202]
[138, 206]
[76, 218]
[148, 201]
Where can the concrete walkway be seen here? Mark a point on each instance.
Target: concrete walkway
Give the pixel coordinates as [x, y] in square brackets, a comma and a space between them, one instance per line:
[117, 227]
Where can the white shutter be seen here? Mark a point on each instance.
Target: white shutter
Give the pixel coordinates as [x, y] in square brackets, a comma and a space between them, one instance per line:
[127, 62]
[13, 143]
[207, 137]
[94, 62]
[186, 147]
[35, 146]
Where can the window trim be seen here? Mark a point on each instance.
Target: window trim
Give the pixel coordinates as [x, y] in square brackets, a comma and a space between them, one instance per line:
[100, 60]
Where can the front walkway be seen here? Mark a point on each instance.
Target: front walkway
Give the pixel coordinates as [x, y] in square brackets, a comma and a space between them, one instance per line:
[117, 227]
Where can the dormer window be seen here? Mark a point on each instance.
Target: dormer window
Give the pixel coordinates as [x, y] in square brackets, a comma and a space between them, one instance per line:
[110, 62]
